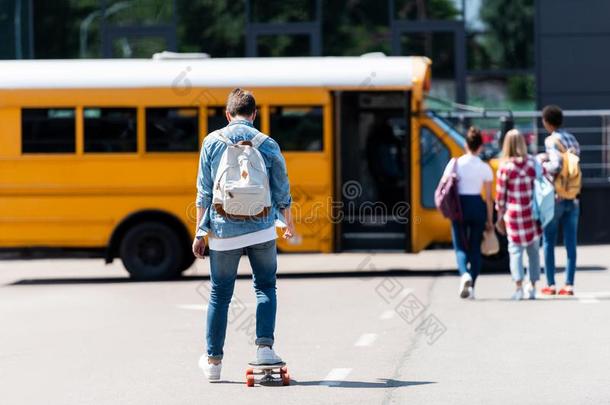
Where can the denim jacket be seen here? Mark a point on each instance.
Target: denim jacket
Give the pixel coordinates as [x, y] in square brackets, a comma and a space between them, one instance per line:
[211, 152]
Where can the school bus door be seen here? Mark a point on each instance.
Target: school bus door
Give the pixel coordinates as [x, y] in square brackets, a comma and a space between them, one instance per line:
[372, 174]
[433, 144]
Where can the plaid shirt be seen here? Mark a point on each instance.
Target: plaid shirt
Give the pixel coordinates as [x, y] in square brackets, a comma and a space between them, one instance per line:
[514, 193]
[553, 165]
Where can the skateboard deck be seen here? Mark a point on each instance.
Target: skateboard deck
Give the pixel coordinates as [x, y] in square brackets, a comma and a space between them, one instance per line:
[270, 374]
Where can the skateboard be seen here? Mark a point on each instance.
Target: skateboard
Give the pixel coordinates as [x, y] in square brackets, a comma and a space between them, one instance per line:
[271, 374]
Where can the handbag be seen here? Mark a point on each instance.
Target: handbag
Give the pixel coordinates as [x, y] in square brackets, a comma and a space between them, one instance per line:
[490, 244]
[446, 197]
[543, 203]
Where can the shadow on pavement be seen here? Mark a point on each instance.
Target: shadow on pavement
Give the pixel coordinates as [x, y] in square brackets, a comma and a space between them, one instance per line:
[382, 383]
[555, 298]
[287, 276]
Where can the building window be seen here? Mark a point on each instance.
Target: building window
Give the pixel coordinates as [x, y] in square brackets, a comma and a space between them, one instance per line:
[172, 129]
[297, 128]
[48, 130]
[217, 119]
[434, 157]
[111, 130]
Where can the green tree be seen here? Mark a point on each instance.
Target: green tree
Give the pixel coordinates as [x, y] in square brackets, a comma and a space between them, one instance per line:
[211, 26]
[510, 39]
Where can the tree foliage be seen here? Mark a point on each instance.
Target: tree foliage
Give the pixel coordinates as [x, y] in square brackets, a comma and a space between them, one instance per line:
[510, 39]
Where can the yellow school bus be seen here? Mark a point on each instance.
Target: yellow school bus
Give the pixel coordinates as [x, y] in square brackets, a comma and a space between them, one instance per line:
[102, 154]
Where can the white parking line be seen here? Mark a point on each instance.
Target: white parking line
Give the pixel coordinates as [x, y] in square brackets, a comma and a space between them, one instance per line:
[588, 298]
[389, 314]
[336, 376]
[366, 340]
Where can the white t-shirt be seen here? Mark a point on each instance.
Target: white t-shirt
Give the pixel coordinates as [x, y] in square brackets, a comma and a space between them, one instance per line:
[472, 172]
[242, 241]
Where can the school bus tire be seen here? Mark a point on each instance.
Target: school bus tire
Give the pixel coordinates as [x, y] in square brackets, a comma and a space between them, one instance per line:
[152, 251]
[187, 260]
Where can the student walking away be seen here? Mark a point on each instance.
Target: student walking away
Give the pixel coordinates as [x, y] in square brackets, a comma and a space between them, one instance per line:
[473, 176]
[514, 195]
[242, 188]
[562, 163]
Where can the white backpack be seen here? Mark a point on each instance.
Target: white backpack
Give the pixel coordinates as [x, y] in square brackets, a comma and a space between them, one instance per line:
[241, 186]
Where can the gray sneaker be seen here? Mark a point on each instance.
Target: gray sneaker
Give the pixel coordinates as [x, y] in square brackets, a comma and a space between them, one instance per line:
[266, 355]
[530, 292]
[518, 294]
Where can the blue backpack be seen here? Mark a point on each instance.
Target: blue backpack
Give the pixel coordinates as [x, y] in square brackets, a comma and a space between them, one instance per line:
[543, 203]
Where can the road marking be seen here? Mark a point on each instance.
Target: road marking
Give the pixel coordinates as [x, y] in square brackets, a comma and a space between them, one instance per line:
[366, 340]
[588, 298]
[336, 376]
[405, 292]
[389, 314]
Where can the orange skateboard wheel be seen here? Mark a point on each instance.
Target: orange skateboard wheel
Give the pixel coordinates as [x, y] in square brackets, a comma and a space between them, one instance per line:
[285, 379]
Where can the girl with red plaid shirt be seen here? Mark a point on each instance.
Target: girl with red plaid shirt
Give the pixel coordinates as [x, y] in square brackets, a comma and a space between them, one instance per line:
[514, 194]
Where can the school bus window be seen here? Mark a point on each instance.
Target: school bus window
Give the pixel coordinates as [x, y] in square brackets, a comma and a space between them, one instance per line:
[110, 130]
[48, 130]
[172, 129]
[217, 118]
[297, 128]
[434, 157]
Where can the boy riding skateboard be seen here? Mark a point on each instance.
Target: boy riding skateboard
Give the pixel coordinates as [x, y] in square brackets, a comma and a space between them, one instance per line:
[242, 188]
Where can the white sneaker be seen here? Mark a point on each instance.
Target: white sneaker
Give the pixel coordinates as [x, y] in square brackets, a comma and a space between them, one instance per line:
[465, 285]
[518, 294]
[471, 293]
[211, 371]
[266, 355]
[530, 291]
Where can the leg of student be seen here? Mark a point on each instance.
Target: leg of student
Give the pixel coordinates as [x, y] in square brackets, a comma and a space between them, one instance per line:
[570, 230]
[533, 256]
[516, 261]
[457, 235]
[549, 242]
[263, 259]
[474, 248]
[223, 271]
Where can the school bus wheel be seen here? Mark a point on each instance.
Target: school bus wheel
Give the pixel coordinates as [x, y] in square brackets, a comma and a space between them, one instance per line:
[152, 251]
[187, 259]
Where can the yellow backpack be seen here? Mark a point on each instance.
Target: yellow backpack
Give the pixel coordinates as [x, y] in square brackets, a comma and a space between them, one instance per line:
[568, 181]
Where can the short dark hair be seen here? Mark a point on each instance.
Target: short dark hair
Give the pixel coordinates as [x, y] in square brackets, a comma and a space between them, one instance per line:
[553, 115]
[474, 139]
[241, 102]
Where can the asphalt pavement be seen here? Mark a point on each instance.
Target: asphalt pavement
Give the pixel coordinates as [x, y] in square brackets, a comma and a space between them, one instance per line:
[354, 329]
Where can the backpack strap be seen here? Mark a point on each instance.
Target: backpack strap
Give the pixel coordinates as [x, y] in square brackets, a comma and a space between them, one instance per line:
[455, 165]
[223, 138]
[538, 168]
[258, 140]
[560, 146]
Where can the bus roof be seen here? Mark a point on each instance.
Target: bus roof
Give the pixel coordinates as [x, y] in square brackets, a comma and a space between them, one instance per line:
[330, 72]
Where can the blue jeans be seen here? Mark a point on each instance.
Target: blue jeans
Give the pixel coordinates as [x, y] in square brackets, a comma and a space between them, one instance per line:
[566, 214]
[516, 260]
[467, 235]
[223, 264]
